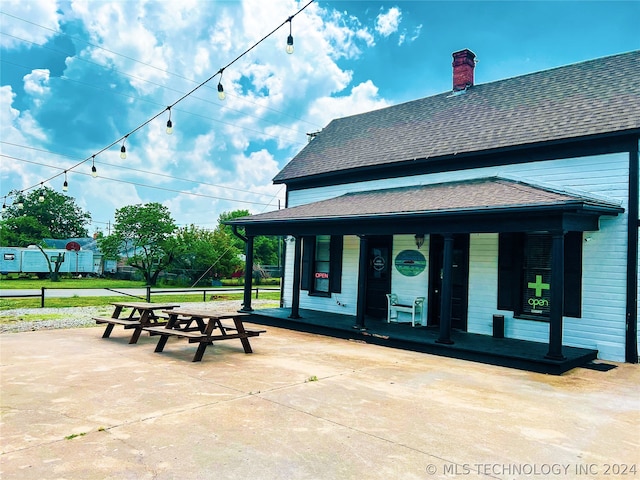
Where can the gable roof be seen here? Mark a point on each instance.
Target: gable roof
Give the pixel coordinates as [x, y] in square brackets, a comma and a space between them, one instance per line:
[586, 99]
[425, 203]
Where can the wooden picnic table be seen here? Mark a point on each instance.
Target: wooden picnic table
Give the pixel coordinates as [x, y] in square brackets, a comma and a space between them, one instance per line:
[202, 327]
[142, 314]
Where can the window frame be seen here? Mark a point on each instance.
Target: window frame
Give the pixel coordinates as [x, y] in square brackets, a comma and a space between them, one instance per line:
[309, 266]
[511, 277]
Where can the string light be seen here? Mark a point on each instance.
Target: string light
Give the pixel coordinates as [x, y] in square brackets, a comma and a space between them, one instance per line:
[169, 123]
[41, 196]
[289, 48]
[20, 202]
[94, 172]
[4, 205]
[221, 94]
[123, 149]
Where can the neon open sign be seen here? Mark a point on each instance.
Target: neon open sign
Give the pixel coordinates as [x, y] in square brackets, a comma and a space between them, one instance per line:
[322, 275]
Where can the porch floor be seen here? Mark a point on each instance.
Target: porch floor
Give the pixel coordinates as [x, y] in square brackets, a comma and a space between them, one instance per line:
[507, 352]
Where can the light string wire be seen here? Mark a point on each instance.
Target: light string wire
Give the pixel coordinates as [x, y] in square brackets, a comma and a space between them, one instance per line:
[168, 108]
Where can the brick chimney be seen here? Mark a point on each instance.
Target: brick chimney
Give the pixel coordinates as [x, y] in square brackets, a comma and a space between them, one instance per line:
[464, 62]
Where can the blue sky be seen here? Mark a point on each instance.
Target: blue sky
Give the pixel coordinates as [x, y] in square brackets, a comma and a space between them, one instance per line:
[77, 76]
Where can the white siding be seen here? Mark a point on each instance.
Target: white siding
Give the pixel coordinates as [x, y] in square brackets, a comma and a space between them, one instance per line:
[343, 302]
[602, 325]
[483, 282]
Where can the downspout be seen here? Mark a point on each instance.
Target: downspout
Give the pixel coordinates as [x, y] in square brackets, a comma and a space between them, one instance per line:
[248, 268]
[633, 224]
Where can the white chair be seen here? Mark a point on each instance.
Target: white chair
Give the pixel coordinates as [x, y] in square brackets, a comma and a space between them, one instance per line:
[414, 308]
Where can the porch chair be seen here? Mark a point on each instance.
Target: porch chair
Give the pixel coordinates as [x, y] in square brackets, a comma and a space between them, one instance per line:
[414, 308]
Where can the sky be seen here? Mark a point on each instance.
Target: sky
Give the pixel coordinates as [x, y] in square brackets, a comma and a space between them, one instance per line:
[78, 78]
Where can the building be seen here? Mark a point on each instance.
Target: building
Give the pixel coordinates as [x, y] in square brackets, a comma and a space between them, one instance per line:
[510, 206]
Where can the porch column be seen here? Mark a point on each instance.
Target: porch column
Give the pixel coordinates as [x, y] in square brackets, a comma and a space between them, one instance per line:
[362, 283]
[445, 299]
[248, 275]
[295, 285]
[556, 297]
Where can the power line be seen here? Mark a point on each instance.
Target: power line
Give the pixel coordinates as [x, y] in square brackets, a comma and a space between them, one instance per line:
[134, 97]
[182, 192]
[191, 80]
[111, 91]
[146, 172]
[193, 90]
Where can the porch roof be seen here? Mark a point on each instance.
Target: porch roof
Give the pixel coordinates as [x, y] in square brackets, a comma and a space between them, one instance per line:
[471, 206]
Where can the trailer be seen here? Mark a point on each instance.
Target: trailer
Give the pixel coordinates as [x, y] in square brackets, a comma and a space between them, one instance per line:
[32, 260]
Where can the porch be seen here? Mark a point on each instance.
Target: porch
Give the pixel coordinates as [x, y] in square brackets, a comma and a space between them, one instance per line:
[505, 352]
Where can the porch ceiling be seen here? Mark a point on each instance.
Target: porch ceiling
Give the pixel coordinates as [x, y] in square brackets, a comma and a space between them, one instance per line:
[470, 206]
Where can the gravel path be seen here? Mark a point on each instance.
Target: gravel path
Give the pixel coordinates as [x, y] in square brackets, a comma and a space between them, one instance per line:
[79, 317]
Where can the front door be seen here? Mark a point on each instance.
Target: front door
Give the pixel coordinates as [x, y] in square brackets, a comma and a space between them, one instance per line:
[378, 276]
[460, 281]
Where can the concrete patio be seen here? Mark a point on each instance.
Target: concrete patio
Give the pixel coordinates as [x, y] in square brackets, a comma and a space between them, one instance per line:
[302, 406]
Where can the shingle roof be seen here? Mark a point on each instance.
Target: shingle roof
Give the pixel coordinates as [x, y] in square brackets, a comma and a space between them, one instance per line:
[469, 195]
[590, 98]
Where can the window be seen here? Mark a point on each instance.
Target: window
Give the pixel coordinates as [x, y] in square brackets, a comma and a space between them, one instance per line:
[322, 264]
[322, 268]
[524, 274]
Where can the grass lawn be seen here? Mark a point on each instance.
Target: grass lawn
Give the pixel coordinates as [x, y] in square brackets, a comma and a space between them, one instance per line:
[8, 283]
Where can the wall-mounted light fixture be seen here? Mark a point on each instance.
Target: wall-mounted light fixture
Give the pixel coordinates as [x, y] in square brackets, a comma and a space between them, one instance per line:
[419, 240]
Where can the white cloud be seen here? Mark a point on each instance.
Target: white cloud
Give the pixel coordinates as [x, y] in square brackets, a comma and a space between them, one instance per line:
[241, 143]
[36, 83]
[363, 98]
[388, 23]
[38, 12]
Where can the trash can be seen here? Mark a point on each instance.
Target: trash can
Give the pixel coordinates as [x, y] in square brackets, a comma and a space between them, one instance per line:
[498, 326]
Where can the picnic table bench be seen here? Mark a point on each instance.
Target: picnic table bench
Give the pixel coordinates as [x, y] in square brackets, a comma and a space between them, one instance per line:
[142, 314]
[202, 327]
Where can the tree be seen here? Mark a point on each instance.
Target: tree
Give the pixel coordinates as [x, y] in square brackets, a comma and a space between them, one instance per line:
[265, 249]
[205, 254]
[56, 216]
[144, 235]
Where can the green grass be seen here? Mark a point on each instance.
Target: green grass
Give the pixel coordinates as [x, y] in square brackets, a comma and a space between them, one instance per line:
[8, 283]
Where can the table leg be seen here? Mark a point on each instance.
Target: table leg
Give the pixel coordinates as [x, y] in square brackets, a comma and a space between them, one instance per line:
[108, 330]
[202, 346]
[136, 335]
[161, 343]
[245, 340]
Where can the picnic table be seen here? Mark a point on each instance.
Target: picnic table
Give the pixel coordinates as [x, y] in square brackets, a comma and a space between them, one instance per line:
[202, 327]
[142, 314]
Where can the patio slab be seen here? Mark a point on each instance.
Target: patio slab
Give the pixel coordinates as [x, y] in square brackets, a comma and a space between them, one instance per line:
[302, 406]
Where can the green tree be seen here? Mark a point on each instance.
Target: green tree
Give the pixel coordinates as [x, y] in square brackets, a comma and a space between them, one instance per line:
[144, 234]
[56, 216]
[205, 253]
[265, 249]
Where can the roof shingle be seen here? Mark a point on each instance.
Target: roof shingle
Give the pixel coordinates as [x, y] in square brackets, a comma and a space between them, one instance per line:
[595, 97]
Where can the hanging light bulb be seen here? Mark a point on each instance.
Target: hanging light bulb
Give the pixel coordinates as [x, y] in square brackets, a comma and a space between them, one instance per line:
[65, 185]
[123, 149]
[4, 205]
[289, 48]
[94, 172]
[169, 123]
[221, 94]
[41, 196]
[20, 204]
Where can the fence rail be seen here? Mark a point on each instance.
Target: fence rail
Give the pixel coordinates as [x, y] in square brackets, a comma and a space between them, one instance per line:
[149, 292]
